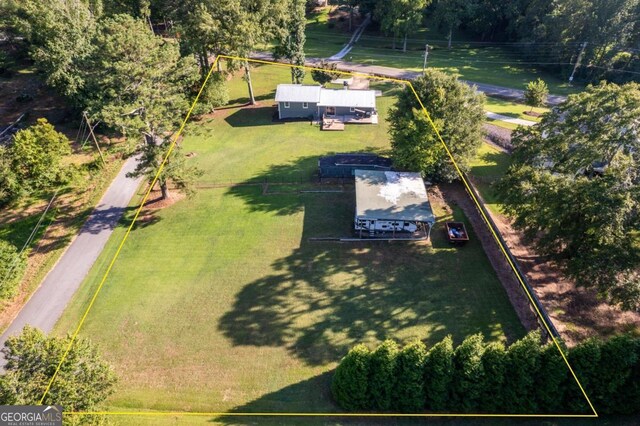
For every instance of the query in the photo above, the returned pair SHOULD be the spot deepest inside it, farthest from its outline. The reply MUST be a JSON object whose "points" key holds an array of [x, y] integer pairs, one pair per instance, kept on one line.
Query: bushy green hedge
{"points": [[474, 377]]}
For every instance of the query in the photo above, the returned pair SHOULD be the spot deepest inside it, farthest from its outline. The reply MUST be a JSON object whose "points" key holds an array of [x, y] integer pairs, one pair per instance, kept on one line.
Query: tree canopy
{"points": [[325, 72], [138, 83], [83, 382], [291, 38], [535, 95], [12, 267], [457, 111], [574, 189], [36, 156], [400, 17]]}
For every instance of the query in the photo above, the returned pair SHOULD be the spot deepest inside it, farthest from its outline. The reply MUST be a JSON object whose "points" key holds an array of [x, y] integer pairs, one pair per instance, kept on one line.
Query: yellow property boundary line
{"points": [[220, 414]]}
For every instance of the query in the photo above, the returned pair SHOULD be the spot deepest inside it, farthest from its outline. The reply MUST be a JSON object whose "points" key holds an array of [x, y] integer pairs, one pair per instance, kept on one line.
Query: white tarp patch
{"points": [[399, 184]]}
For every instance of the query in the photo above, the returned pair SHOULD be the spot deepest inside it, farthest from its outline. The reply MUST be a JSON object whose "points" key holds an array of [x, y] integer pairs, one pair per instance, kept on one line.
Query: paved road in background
{"points": [[403, 74], [46, 305]]}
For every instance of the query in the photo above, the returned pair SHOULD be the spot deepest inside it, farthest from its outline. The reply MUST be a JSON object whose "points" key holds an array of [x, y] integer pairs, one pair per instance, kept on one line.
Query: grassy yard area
{"points": [[489, 165], [512, 109], [221, 302]]}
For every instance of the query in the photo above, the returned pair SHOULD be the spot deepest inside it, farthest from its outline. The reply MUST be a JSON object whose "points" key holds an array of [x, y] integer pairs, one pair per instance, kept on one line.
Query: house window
{"points": [[305, 105], [352, 109], [287, 105]]}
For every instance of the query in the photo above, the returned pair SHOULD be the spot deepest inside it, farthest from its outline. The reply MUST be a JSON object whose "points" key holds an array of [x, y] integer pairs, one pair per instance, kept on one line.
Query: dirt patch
{"points": [[156, 202], [455, 194], [576, 312]]}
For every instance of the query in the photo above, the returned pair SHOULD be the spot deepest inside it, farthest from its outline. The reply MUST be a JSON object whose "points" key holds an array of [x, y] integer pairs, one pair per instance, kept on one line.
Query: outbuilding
{"points": [[389, 202], [344, 165]]}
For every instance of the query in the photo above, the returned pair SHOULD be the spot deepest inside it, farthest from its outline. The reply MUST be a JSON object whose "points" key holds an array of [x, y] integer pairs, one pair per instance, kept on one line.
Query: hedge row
{"points": [[476, 377]]}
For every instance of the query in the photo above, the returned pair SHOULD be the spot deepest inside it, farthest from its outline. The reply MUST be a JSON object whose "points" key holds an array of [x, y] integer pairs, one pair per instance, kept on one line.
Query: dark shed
{"points": [[343, 165]]}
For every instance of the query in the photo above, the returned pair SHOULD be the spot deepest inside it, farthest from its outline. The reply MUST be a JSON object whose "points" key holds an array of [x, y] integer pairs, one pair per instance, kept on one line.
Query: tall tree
{"points": [[291, 40], [469, 376], [350, 385], [382, 364], [438, 375], [36, 156], [494, 365], [231, 27], [408, 392], [175, 170], [83, 382], [574, 188], [400, 17], [449, 15], [137, 82], [523, 366], [59, 35], [458, 113]]}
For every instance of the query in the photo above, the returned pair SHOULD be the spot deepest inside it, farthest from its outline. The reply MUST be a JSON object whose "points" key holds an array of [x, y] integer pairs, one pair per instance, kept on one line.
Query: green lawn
{"points": [[489, 165], [221, 302], [512, 109]]}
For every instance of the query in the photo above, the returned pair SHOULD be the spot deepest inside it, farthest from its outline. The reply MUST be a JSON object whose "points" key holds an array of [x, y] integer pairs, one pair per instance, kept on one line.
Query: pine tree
{"points": [[523, 366], [468, 382], [438, 375], [350, 384], [381, 375], [551, 382], [536, 93], [408, 392], [584, 359], [494, 364]]}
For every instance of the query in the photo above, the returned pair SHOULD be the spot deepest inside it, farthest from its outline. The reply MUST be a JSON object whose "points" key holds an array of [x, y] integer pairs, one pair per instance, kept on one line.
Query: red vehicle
{"points": [[457, 233]]}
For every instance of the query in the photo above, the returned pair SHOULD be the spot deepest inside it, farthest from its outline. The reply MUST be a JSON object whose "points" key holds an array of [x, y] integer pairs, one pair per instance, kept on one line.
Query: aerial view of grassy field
{"points": [[221, 301]]}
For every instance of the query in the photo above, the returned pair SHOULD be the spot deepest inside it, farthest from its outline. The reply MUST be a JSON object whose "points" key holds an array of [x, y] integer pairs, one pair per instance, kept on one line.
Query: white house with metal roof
{"points": [[389, 202], [307, 101]]}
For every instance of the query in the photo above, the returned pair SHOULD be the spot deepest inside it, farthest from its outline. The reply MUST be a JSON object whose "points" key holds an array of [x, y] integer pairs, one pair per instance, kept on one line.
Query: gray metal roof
{"points": [[392, 196], [348, 98], [297, 93], [326, 97]]}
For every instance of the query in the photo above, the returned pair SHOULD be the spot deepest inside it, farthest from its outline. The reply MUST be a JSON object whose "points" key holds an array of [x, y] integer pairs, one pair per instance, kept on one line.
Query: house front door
{"points": [[330, 111]]}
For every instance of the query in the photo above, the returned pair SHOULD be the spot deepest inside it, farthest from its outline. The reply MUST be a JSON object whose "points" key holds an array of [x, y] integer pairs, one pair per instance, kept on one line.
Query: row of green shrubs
{"points": [[475, 377]]}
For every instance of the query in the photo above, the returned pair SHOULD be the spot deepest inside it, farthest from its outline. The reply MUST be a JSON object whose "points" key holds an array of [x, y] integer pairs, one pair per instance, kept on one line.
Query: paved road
{"points": [[46, 305], [403, 74]]}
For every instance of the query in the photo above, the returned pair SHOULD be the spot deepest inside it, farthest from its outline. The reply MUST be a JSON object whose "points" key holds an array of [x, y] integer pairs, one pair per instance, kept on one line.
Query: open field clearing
{"points": [[220, 302]]}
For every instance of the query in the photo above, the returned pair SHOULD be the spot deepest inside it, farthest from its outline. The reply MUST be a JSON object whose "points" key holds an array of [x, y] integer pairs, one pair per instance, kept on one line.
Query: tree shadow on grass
{"points": [[252, 117], [270, 96], [324, 297]]}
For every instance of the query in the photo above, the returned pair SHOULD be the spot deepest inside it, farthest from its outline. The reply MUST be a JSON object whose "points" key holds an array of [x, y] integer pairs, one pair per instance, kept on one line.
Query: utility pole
{"points": [[84, 114], [575, 67], [426, 54]]}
